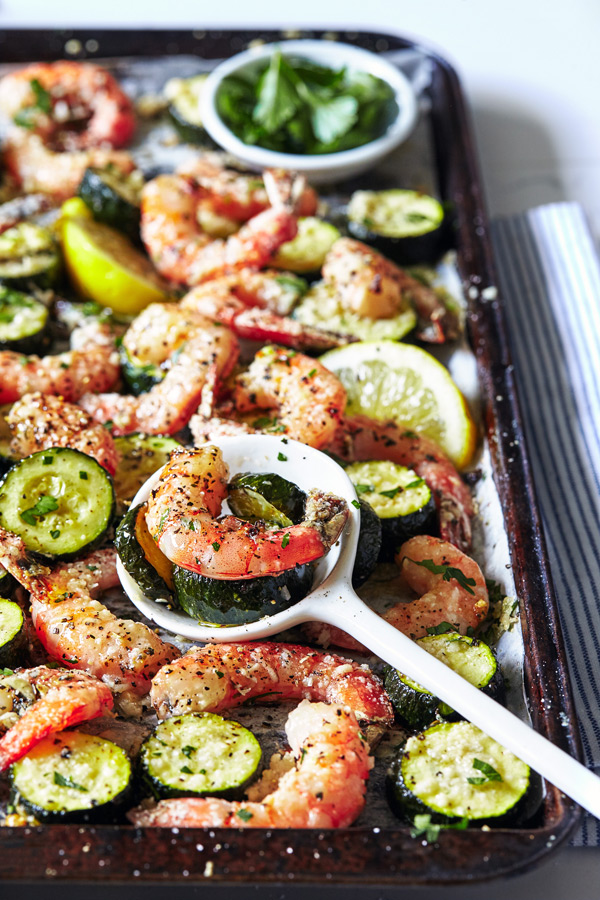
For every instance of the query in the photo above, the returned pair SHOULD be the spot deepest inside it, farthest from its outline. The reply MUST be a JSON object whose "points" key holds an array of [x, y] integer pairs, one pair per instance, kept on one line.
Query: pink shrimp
{"points": [[199, 353], [326, 789], [92, 365], [79, 631], [65, 698], [182, 512], [220, 676], [450, 587], [40, 421], [184, 253]]}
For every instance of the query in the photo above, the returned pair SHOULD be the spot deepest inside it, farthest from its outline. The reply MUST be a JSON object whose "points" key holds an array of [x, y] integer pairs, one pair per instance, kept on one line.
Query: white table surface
{"points": [[531, 71]]}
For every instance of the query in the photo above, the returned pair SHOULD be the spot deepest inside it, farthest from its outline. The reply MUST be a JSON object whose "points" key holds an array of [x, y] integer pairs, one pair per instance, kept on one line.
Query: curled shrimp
{"points": [[182, 512], [54, 100], [221, 676], [40, 421], [450, 586], [183, 252], [91, 365], [368, 284], [326, 789], [79, 631], [198, 352], [64, 698]]}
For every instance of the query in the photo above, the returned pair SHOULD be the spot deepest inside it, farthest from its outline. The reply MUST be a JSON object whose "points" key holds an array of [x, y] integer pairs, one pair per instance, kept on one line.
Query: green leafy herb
{"points": [[442, 628], [187, 770], [364, 488], [216, 546], [83, 476], [422, 824], [44, 505], [187, 750], [281, 457], [244, 814], [356, 504], [447, 573], [65, 781], [48, 460], [55, 534], [298, 285], [42, 103], [285, 541], [489, 773]]}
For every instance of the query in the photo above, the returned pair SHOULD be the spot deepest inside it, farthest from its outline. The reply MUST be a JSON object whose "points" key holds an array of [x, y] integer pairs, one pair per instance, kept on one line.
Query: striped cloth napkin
{"points": [[549, 276]]}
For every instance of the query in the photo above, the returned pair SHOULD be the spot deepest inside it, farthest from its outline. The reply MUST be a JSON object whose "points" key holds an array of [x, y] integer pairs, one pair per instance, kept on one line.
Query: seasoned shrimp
{"points": [[70, 105], [199, 353], [220, 676], [184, 253], [92, 365], [40, 421], [326, 789], [77, 630], [63, 698], [455, 592], [16, 210], [370, 285], [360, 438], [182, 512]]}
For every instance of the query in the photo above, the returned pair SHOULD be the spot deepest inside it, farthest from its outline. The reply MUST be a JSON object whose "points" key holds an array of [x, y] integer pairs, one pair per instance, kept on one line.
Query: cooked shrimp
{"points": [[182, 512], [92, 365], [359, 438], [16, 210], [40, 421], [326, 789], [455, 592], [305, 397], [65, 698], [184, 253], [77, 630], [54, 100], [220, 676], [370, 285], [254, 306]]}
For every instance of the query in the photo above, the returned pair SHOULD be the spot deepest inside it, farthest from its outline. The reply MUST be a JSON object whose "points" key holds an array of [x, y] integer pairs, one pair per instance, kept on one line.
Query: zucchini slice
{"points": [[113, 199], [268, 497], [72, 777], [307, 251], [472, 659], [405, 225], [236, 602], [29, 256], [401, 499], [139, 376], [184, 96], [199, 754], [60, 501], [140, 456], [12, 632], [6, 457], [23, 322], [369, 544], [138, 552], [454, 771]]}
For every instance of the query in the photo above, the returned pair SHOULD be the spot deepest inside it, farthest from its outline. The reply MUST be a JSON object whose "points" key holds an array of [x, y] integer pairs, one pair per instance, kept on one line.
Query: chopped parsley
{"points": [[488, 773], [216, 546], [244, 814], [422, 824], [83, 476], [66, 782], [281, 457], [447, 572], [25, 117], [44, 505], [285, 541]]}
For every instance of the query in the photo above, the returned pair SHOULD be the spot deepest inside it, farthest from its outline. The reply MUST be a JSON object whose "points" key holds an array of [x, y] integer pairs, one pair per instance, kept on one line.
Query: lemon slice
{"points": [[104, 266], [387, 381]]}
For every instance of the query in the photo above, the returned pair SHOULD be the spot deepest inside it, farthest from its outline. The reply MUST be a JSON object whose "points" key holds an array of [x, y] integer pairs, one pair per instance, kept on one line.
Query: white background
{"points": [[531, 71]]}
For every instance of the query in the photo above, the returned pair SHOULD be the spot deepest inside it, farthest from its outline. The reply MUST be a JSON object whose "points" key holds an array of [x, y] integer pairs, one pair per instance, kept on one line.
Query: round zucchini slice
{"points": [[200, 754], [236, 602], [138, 552], [472, 659], [12, 632], [307, 251], [406, 225], [6, 457], [401, 499], [454, 771], [23, 322], [140, 456], [60, 502], [268, 497], [29, 256], [113, 199], [72, 777], [184, 96], [369, 544], [139, 376]]}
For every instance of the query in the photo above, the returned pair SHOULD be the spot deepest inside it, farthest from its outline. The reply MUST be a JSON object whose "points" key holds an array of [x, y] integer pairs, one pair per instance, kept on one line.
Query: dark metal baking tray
{"points": [[357, 856]]}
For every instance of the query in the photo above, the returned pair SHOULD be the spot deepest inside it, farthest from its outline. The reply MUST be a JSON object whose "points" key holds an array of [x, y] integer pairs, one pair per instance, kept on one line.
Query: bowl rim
{"points": [[326, 52]]}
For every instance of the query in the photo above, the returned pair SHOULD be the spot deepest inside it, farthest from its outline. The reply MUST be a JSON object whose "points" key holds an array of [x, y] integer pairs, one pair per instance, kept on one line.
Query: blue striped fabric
{"points": [[549, 277]]}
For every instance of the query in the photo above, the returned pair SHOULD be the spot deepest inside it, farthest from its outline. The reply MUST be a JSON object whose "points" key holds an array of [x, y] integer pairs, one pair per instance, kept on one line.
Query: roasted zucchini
{"points": [[23, 322], [184, 95], [29, 257], [307, 251], [139, 376], [140, 456], [369, 544], [113, 199], [148, 567], [12, 632], [270, 498]]}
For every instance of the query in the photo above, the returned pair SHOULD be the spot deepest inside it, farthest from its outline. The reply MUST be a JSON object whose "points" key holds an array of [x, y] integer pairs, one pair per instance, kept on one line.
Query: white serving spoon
{"points": [[333, 600]]}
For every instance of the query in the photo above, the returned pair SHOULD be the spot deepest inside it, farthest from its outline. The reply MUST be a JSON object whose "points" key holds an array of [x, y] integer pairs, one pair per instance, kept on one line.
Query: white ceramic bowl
{"points": [[317, 167]]}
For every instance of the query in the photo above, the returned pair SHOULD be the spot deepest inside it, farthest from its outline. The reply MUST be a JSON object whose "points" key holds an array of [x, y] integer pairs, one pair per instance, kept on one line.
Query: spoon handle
{"points": [[402, 653]]}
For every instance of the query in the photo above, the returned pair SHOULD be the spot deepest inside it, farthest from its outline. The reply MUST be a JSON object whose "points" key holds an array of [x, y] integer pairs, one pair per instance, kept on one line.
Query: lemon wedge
{"points": [[390, 381]]}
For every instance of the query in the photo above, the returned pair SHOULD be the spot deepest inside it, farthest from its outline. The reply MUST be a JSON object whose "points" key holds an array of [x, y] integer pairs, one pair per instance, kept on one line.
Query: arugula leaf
{"points": [[447, 572], [44, 505]]}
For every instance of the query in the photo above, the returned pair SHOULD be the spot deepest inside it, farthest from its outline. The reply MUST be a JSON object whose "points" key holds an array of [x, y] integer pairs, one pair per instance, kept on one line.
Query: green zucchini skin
{"points": [[140, 377], [198, 755], [369, 545], [482, 804], [29, 258], [23, 322], [132, 556], [111, 200], [60, 501], [236, 602], [307, 251], [184, 96], [35, 779], [282, 497], [12, 632]]}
